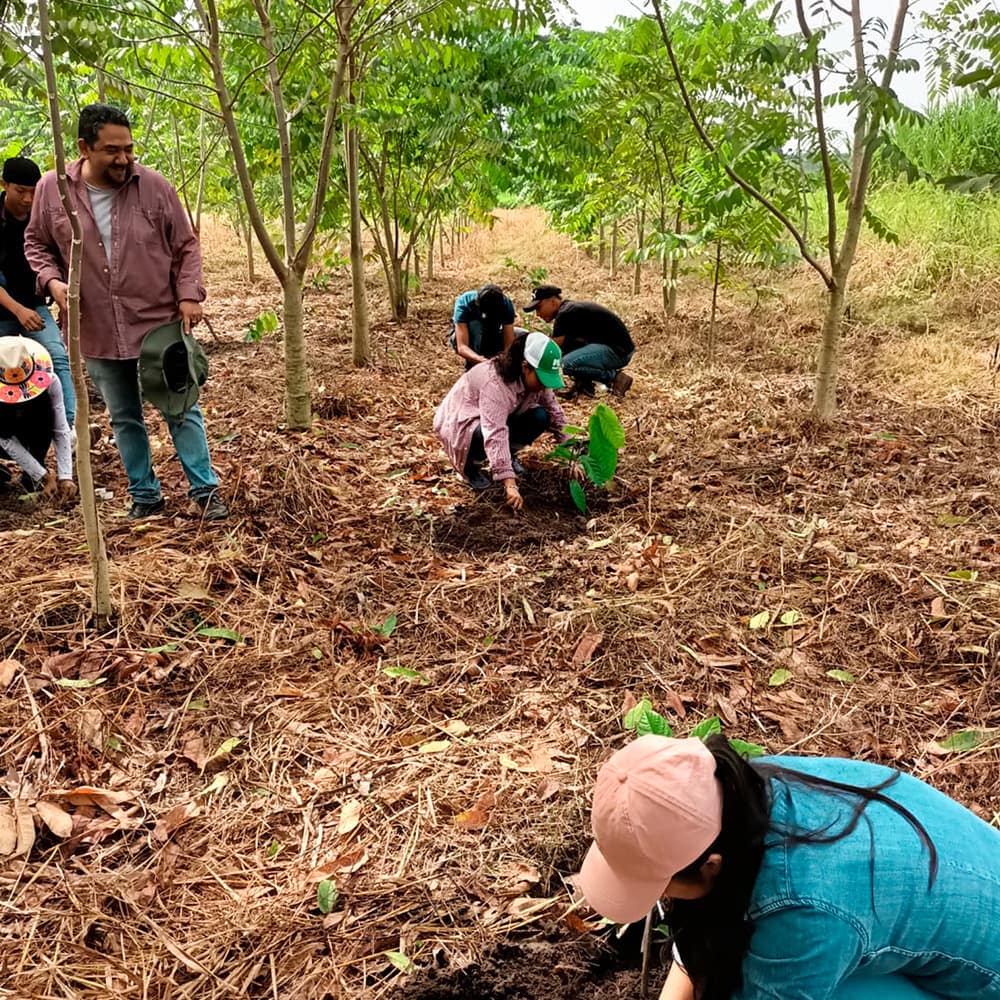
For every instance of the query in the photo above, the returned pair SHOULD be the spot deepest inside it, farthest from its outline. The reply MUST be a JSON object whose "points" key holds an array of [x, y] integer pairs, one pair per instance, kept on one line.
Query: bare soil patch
{"points": [[423, 683]]}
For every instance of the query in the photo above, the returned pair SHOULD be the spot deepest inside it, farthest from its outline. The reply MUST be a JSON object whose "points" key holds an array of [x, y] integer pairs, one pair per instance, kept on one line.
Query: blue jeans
{"points": [[118, 383], [50, 338], [594, 363], [862, 987], [523, 429]]}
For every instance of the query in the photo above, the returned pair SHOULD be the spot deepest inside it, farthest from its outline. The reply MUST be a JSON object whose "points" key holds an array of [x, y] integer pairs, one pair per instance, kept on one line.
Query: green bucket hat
{"points": [[172, 368]]}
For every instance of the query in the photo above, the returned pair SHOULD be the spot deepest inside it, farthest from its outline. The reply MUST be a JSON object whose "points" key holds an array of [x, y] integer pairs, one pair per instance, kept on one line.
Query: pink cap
{"points": [[657, 807]]}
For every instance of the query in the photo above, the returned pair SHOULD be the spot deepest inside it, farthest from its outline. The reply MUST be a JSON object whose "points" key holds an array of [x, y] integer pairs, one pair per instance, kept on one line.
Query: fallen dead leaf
{"points": [[194, 750], [585, 648], [456, 727], [8, 669], [434, 746], [350, 817], [547, 789], [172, 821], [8, 831], [56, 819], [938, 608], [478, 817], [24, 822]]}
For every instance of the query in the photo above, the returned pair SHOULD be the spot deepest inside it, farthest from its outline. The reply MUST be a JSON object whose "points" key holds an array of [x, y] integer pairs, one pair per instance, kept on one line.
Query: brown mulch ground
{"points": [[437, 770]]}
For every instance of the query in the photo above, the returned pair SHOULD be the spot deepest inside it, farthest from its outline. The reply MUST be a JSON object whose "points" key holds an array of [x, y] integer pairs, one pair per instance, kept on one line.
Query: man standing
{"points": [[141, 269], [596, 344], [21, 307]]}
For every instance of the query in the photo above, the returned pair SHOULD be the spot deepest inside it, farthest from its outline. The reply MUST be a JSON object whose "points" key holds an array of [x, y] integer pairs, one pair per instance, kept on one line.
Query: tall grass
{"points": [[961, 137]]}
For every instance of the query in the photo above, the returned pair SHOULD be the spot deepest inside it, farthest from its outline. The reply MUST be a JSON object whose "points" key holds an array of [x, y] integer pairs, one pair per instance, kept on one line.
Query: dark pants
{"points": [[30, 423], [523, 429]]}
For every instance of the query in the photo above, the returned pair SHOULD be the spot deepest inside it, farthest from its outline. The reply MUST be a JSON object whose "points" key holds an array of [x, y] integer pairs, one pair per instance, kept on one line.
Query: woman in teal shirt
{"points": [[796, 878]]}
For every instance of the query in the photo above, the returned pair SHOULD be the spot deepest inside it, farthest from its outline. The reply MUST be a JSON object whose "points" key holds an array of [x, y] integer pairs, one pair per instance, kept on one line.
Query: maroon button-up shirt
{"points": [[154, 263]]}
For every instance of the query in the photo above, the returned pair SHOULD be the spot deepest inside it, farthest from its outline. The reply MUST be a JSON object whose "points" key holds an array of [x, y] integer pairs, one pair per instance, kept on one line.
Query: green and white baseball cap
{"points": [[543, 354]]}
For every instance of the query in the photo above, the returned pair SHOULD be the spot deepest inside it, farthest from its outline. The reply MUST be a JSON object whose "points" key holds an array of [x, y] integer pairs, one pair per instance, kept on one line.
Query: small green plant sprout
{"points": [[596, 455], [326, 895], [266, 322], [642, 720]]}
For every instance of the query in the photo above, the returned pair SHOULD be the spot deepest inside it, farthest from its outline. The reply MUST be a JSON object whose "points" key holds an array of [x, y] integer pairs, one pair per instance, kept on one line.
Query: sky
{"points": [[596, 15]]}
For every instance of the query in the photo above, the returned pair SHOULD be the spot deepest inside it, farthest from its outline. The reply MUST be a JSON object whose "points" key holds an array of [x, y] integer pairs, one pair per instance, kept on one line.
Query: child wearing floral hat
{"points": [[33, 416]]}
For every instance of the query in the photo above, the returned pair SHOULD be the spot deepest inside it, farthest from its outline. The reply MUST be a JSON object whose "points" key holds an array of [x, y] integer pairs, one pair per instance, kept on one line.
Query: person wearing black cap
{"points": [[596, 344], [482, 325], [22, 309]]}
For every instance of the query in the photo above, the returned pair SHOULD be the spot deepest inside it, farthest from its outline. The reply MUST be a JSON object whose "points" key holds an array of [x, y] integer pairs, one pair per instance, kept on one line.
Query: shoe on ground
{"points": [[144, 510], [477, 479], [621, 384], [516, 466], [211, 507]]}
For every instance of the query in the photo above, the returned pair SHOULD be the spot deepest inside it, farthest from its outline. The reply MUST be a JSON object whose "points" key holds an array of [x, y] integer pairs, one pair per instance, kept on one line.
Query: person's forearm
{"points": [[678, 986], [7, 301]]}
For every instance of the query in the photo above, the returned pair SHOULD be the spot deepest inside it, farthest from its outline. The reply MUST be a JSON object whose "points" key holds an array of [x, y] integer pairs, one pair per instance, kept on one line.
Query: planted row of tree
{"points": [[696, 133]]}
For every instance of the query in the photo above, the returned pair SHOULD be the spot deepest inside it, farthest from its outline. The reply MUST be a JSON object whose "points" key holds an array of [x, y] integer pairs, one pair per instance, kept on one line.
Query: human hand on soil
{"points": [[514, 499], [66, 490], [29, 319], [49, 485]]}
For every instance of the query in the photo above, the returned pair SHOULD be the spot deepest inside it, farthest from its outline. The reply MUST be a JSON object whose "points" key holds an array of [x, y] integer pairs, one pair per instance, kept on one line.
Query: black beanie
{"points": [[20, 170]]}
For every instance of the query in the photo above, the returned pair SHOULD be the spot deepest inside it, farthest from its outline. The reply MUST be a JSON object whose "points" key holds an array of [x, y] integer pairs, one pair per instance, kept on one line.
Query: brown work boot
{"points": [[621, 385]]}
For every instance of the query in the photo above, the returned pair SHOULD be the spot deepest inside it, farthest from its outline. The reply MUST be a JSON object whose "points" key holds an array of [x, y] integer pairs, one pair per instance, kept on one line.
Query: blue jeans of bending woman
{"points": [[523, 428], [118, 383]]}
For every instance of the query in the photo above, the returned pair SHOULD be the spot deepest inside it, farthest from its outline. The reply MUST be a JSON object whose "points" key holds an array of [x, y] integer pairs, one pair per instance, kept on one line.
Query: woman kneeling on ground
{"points": [[497, 408], [32, 415], [794, 878]]}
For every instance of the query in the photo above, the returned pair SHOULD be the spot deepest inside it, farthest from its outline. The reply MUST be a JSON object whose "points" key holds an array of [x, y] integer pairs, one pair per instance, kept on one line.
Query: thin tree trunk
{"points": [[416, 265], [828, 362], [360, 336], [640, 234], [247, 233], [430, 255], [440, 229], [602, 246], [202, 172], [100, 600], [614, 249], [715, 300], [298, 408], [675, 266]]}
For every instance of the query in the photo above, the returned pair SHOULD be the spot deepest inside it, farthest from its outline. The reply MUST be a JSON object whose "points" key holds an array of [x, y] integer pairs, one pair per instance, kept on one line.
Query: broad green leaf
{"points": [[400, 961], [573, 429], [80, 682], [326, 895], [604, 421], [969, 739], [707, 727], [579, 496], [842, 675], [274, 849], [747, 749], [759, 620], [631, 719], [652, 722], [790, 617], [779, 677], [221, 633]]}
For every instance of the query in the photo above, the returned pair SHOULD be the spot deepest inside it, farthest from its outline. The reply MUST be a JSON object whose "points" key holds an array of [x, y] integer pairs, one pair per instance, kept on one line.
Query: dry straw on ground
{"points": [[438, 770]]}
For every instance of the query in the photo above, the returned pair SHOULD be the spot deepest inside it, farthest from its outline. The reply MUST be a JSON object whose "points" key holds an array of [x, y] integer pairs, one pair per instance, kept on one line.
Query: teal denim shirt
{"points": [[820, 918]]}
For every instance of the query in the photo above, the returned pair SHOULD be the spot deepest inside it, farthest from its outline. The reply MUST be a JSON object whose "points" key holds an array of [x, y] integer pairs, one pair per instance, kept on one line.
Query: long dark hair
{"points": [[713, 933], [509, 365]]}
